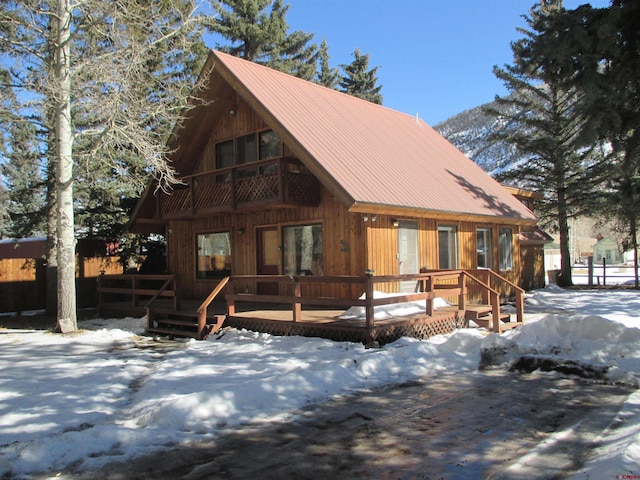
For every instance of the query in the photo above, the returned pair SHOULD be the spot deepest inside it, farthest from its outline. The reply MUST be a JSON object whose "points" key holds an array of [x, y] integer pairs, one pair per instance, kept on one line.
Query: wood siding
{"points": [[351, 245]]}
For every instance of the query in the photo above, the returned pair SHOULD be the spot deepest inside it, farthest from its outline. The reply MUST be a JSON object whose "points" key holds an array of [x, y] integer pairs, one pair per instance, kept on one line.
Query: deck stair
{"points": [[182, 323], [482, 315]]}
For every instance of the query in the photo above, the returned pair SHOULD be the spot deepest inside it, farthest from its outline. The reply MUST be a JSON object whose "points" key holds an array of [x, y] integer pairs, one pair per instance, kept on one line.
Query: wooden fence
{"points": [[23, 282]]}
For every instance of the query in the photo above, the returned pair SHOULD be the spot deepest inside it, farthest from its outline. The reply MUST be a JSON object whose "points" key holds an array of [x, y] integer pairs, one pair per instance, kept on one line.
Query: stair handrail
{"points": [[519, 295], [148, 306], [202, 309], [164, 286], [494, 300]]}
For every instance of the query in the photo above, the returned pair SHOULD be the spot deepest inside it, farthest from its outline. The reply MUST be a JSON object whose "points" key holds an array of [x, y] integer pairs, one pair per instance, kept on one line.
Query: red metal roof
{"points": [[372, 155]]}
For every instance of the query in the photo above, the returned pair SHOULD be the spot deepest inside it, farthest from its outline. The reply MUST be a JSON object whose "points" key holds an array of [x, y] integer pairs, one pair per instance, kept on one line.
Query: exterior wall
{"points": [[342, 236], [533, 270], [350, 245], [382, 256]]}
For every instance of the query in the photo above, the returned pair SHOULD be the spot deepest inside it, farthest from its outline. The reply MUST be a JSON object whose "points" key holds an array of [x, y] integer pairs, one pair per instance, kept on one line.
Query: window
{"points": [[270, 145], [303, 250], [448, 246], [213, 255], [224, 154], [484, 245], [247, 149], [505, 249]]}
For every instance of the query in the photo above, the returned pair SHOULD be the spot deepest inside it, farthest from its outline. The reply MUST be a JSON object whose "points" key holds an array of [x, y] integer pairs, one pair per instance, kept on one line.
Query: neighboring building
{"points": [[608, 250], [283, 176]]}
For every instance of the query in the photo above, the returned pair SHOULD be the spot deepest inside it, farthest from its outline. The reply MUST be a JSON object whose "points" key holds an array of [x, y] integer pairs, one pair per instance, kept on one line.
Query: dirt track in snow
{"points": [[495, 424]]}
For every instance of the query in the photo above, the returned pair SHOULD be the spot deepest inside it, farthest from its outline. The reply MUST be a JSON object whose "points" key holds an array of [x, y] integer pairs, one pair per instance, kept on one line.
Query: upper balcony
{"points": [[273, 183]]}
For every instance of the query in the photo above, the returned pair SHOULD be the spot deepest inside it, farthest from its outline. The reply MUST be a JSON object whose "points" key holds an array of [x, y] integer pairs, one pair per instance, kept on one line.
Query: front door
{"points": [[408, 253], [268, 252]]}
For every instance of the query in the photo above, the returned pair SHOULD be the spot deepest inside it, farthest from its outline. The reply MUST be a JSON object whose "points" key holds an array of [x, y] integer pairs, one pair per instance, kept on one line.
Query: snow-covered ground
{"points": [[106, 394]]}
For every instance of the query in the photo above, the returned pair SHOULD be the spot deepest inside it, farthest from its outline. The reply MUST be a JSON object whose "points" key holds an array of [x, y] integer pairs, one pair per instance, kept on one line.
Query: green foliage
{"points": [[543, 118], [327, 76], [132, 68], [258, 31], [360, 81]]}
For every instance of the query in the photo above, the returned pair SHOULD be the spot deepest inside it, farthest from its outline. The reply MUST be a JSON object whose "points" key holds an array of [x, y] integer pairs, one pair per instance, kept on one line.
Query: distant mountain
{"points": [[470, 131]]}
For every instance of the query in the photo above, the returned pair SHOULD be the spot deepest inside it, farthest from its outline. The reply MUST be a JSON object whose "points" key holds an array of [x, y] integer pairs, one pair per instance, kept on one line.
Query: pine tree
{"points": [[257, 31], [25, 182], [360, 81], [611, 82], [327, 75], [543, 120]]}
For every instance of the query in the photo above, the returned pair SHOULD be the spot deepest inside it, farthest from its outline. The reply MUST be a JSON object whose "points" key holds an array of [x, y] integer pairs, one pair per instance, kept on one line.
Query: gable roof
{"points": [[367, 156]]}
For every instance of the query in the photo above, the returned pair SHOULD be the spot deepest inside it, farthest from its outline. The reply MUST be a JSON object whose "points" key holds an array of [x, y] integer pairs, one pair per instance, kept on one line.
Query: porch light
{"points": [[232, 111], [395, 223], [365, 219], [369, 273], [241, 231]]}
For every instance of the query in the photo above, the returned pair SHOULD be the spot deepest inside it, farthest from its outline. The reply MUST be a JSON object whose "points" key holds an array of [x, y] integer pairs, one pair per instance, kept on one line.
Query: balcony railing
{"points": [[281, 182]]}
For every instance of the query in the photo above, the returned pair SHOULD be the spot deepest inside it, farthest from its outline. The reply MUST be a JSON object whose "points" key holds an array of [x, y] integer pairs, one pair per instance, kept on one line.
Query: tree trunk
{"points": [[564, 280], [67, 320]]}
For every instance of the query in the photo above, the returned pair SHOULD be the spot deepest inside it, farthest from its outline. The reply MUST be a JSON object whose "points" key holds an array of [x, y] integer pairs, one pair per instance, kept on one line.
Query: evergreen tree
{"points": [[610, 79], [360, 81], [544, 121], [257, 31], [104, 84], [25, 182], [327, 75]]}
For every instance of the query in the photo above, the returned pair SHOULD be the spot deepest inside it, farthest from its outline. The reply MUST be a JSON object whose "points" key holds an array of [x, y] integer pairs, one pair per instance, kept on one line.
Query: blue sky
{"points": [[435, 56]]}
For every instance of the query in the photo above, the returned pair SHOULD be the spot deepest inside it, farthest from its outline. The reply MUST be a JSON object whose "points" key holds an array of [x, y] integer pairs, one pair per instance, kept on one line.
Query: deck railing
{"points": [[136, 288], [280, 181], [448, 284]]}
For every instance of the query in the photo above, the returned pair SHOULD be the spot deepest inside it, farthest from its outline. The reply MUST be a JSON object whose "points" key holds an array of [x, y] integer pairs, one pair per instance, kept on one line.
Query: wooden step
{"points": [[173, 332], [175, 321]]}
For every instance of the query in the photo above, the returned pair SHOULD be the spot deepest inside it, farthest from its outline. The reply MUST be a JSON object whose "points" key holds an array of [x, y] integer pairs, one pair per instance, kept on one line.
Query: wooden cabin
{"points": [[283, 178]]}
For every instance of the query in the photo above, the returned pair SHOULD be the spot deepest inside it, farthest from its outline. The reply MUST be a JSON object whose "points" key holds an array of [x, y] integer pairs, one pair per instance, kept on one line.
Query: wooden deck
{"points": [[320, 316]]}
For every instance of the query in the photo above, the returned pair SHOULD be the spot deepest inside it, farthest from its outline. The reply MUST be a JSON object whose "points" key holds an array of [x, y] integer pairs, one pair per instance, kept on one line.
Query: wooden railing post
{"points": [[519, 306], [431, 286], [368, 298], [462, 297], [297, 308], [495, 312], [231, 303]]}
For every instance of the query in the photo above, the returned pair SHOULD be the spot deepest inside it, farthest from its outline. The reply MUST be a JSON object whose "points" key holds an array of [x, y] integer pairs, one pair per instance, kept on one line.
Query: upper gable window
{"points": [[248, 149], [224, 154], [270, 145]]}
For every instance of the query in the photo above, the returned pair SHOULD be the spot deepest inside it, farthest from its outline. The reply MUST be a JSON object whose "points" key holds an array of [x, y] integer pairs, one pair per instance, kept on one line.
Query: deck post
{"points": [[519, 306], [495, 312], [297, 308], [368, 298], [462, 298], [231, 303], [431, 285]]}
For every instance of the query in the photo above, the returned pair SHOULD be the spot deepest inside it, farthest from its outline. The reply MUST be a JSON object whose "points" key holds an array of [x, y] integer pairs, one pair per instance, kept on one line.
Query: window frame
{"points": [[316, 267], [213, 273], [451, 247], [505, 255], [488, 247]]}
